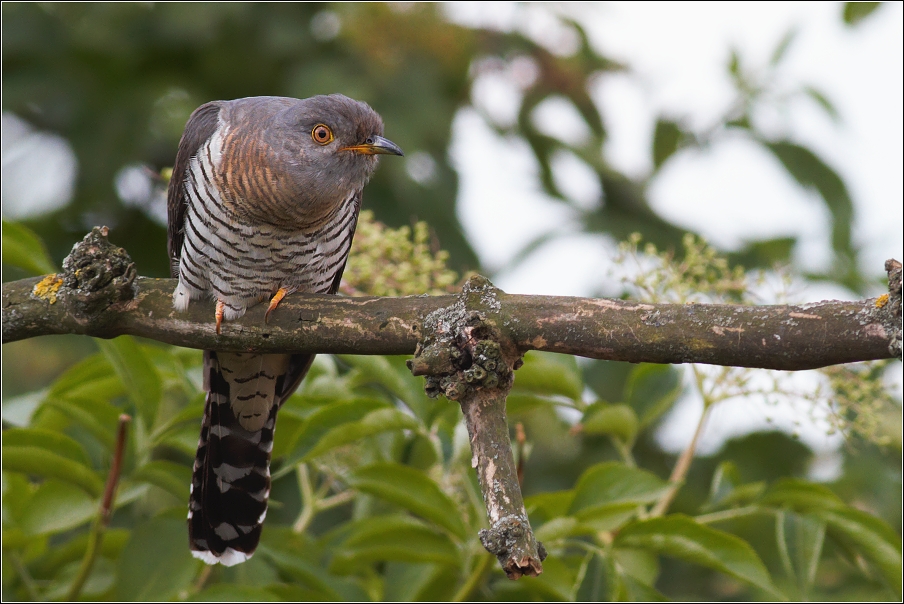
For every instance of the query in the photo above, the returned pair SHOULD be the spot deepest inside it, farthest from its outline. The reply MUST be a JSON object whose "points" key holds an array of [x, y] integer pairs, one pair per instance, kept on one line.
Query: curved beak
{"points": [[375, 145]]}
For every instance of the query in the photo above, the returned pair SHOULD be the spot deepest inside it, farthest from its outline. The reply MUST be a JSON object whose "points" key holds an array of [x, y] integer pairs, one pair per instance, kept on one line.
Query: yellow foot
{"points": [[274, 302], [221, 308]]}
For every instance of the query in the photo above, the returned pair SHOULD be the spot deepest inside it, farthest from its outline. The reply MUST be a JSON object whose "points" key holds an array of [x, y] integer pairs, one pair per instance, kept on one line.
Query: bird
{"points": [[263, 202]]}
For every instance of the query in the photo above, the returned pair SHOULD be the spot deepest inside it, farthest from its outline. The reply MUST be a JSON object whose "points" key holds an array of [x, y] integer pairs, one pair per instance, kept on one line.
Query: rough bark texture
{"points": [[465, 356], [99, 295]]}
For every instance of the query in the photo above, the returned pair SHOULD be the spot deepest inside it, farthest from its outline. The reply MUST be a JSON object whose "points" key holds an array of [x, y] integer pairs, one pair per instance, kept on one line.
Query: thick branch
{"points": [[87, 300], [772, 337], [467, 357]]}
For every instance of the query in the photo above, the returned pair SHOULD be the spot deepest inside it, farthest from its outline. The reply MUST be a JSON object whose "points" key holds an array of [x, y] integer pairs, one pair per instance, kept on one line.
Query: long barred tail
{"points": [[231, 478]]}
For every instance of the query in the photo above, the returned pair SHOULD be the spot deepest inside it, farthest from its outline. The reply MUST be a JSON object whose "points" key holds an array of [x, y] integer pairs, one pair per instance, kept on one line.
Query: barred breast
{"points": [[229, 258]]}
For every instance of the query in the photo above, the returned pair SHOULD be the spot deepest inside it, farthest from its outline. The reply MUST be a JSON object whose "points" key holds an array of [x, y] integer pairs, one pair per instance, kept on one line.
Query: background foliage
{"points": [[373, 496]]}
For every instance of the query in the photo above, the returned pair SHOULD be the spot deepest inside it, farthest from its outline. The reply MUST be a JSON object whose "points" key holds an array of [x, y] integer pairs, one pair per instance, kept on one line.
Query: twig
{"points": [[521, 440], [682, 466], [28, 581], [102, 520]]}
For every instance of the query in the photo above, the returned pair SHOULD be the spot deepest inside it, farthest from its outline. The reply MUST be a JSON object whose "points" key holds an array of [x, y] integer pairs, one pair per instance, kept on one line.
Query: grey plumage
{"points": [[263, 202]]}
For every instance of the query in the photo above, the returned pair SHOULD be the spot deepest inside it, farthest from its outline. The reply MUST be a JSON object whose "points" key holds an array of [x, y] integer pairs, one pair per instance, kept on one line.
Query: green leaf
{"points": [[810, 171], [618, 421], [520, 402], [782, 49], [169, 476], [98, 417], [680, 537], [800, 538], [615, 483], [651, 390], [56, 507], [99, 581], [546, 373], [24, 249], [801, 495], [876, 540], [823, 101], [726, 490], [300, 559], [855, 12], [392, 373], [412, 490], [56, 443], [638, 591], [137, 373], [93, 377], [407, 582], [381, 420], [552, 505], [666, 138], [609, 494], [327, 418], [303, 572], [399, 538], [41, 462], [231, 592], [642, 564], [191, 414], [560, 528], [155, 564]]}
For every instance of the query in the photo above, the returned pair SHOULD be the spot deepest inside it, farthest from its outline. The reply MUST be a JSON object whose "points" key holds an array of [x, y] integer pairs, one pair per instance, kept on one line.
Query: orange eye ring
{"points": [[322, 134]]}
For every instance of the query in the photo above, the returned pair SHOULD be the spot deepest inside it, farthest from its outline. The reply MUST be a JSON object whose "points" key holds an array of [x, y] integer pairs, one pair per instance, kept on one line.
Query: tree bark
{"points": [[789, 337]]}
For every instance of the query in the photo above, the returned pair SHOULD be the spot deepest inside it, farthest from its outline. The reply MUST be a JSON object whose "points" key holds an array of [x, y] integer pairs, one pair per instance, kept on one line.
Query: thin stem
{"points": [[199, 583], [28, 582], [782, 543], [683, 465], [102, 520], [520, 442], [624, 451], [337, 499], [480, 570], [308, 500]]}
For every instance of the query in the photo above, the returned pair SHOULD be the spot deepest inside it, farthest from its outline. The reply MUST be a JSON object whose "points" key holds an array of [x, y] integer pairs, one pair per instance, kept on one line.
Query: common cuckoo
{"points": [[263, 202]]}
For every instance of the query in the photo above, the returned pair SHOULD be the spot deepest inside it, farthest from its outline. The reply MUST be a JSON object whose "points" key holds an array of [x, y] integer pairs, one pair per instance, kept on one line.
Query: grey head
{"points": [[304, 156]]}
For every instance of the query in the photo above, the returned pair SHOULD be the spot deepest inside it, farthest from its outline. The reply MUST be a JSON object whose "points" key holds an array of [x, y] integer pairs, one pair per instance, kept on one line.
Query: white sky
{"points": [[733, 192]]}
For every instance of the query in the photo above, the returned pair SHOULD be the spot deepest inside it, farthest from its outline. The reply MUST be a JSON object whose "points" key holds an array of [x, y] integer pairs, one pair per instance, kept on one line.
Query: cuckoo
{"points": [[263, 202]]}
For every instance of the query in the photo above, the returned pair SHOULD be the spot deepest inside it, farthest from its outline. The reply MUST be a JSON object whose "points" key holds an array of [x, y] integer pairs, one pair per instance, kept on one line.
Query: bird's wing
{"points": [[200, 127]]}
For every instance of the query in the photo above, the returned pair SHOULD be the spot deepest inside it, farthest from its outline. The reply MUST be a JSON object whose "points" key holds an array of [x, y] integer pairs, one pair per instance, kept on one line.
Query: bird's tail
{"points": [[231, 477]]}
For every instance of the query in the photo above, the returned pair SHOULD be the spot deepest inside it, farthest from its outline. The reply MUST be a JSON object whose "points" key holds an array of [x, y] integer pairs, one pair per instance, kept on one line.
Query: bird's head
{"points": [[314, 153], [334, 140]]}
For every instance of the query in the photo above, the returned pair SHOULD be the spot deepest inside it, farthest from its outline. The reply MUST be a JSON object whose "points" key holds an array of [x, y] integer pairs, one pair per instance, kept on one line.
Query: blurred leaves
{"points": [[855, 12], [373, 494], [23, 249]]}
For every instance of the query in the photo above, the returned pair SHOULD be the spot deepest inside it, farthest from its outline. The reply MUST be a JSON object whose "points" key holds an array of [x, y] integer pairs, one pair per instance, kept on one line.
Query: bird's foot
{"points": [[221, 309], [274, 302]]}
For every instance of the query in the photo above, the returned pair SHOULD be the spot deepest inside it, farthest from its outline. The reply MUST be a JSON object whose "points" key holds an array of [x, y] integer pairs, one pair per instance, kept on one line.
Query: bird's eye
{"points": [[322, 134]]}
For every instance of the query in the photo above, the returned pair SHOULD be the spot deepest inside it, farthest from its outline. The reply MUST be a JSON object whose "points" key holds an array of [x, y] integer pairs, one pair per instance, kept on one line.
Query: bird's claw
{"points": [[281, 293], [221, 308]]}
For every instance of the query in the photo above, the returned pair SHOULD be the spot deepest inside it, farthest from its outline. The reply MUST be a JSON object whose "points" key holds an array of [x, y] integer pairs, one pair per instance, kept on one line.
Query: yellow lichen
{"points": [[882, 301], [46, 288]]}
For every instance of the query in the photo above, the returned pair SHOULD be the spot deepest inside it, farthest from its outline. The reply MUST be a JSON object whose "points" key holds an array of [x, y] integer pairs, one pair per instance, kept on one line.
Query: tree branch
{"points": [[467, 346], [99, 295]]}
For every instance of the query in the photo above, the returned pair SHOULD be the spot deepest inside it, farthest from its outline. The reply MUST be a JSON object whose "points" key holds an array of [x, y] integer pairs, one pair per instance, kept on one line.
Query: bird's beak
{"points": [[375, 145]]}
